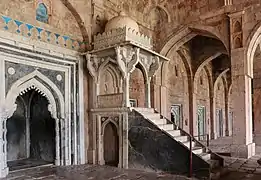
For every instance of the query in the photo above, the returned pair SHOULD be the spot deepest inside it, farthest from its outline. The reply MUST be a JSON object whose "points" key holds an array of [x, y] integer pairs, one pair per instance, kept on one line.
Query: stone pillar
{"points": [[243, 145], [126, 91], [147, 94], [228, 133], [125, 141], [213, 117], [57, 143], [27, 134], [163, 101], [194, 118], [99, 141], [4, 170]]}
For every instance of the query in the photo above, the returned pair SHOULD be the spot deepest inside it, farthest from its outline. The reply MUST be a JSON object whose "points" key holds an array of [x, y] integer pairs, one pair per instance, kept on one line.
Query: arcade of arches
{"points": [[72, 71]]}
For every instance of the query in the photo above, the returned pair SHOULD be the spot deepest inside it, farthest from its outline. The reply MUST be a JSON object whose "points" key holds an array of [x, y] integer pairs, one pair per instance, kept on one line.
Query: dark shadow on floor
{"points": [[26, 163]]}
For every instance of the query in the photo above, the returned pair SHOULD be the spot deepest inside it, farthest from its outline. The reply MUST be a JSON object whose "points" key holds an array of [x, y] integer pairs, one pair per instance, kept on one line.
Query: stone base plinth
{"points": [[243, 151], [4, 172], [214, 135]]}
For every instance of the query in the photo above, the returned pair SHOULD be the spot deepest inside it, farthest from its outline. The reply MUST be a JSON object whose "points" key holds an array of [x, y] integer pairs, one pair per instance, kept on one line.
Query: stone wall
{"points": [[61, 20], [137, 87], [177, 88], [202, 100], [220, 104]]}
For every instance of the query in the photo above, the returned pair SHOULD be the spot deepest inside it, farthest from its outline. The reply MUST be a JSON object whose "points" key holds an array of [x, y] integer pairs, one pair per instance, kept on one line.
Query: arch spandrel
{"points": [[30, 81]]}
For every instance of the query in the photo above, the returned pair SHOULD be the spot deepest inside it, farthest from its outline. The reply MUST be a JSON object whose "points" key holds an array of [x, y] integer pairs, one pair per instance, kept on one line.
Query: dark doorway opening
{"points": [[111, 145], [30, 133]]}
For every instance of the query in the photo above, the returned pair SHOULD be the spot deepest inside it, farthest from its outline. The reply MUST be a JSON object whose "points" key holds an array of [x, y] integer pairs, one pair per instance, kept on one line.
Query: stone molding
{"points": [[115, 36]]}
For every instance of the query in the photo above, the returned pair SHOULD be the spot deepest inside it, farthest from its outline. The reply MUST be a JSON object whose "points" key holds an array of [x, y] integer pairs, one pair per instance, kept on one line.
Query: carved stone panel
{"points": [[110, 101]]}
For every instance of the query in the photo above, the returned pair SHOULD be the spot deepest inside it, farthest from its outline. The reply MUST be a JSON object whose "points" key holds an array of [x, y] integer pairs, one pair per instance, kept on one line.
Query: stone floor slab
{"points": [[87, 172]]}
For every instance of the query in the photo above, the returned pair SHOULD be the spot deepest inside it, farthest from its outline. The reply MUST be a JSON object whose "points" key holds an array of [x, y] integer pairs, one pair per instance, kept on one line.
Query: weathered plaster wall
{"points": [[137, 87], [202, 99], [61, 19], [220, 103], [177, 88]]}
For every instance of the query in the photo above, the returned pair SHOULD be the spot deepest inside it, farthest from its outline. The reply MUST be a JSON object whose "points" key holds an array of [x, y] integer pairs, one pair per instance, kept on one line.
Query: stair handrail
{"points": [[193, 139], [188, 134]]}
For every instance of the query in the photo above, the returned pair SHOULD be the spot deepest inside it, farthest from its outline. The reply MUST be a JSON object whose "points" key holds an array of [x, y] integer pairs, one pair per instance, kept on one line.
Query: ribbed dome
{"points": [[120, 21]]}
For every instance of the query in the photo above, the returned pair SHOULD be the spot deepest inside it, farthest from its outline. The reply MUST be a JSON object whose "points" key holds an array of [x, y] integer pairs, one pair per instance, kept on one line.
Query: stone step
{"points": [[159, 121], [181, 138], [166, 127], [148, 110], [174, 133], [187, 144], [197, 150], [151, 115], [205, 156]]}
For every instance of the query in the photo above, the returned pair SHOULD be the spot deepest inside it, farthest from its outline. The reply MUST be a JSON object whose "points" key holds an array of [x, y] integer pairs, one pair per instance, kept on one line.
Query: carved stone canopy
{"points": [[125, 57]]}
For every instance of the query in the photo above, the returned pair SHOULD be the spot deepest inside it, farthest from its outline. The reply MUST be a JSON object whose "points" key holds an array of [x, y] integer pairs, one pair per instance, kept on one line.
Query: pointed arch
{"points": [[253, 42], [31, 81], [202, 66], [141, 66], [107, 122], [111, 69], [220, 78]]}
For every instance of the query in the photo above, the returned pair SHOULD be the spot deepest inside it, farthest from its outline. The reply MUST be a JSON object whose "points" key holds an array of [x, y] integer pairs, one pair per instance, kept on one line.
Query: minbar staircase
{"points": [[215, 162]]}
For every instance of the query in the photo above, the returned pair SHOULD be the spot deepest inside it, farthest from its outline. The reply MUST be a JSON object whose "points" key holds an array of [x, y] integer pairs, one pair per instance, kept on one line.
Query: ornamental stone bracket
{"points": [[95, 63], [128, 58]]}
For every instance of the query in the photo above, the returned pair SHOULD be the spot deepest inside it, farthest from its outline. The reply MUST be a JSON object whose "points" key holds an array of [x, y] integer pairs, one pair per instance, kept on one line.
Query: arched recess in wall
{"points": [[40, 83], [202, 112], [109, 79], [157, 17], [110, 132], [220, 106], [138, 79], [79, 21]]}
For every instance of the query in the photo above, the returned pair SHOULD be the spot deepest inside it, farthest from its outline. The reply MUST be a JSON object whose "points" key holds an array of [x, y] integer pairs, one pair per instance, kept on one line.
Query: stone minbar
{"points": [[116, 54]]}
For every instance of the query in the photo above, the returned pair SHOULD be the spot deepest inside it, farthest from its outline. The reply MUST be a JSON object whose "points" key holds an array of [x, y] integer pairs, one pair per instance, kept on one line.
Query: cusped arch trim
{"points": [[253, 41], [78, 19], [106, 123], [30, 81]]}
